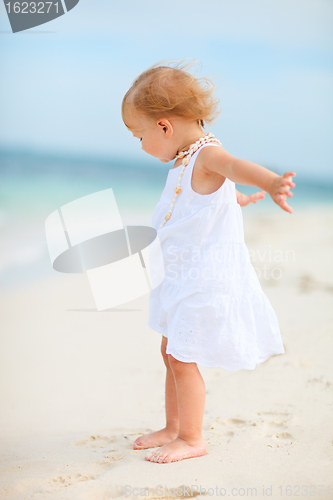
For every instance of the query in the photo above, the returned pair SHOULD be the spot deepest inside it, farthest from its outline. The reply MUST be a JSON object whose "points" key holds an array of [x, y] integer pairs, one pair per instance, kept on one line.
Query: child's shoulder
{"points": [[209, 156], [204, 179]]}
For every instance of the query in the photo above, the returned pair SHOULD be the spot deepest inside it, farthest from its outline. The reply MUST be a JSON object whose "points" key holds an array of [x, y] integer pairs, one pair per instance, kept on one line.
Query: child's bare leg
{"points": [[191, 396], [170, 431]]}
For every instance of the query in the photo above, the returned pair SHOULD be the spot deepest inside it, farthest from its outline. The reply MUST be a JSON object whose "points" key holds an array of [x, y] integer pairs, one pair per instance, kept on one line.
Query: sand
{"points": [[78, 386]]}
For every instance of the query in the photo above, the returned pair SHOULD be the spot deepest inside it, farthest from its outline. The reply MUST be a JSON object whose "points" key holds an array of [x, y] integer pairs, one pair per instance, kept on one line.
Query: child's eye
{"points": [[141, 139]]}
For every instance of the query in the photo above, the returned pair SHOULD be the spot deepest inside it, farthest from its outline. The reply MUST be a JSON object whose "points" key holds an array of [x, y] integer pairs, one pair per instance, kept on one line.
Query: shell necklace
{"points": [[187, 155]]}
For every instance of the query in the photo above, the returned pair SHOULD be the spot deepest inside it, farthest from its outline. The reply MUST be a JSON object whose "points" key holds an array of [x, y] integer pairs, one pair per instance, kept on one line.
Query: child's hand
{"points": [[244, 200], [280, 189]]}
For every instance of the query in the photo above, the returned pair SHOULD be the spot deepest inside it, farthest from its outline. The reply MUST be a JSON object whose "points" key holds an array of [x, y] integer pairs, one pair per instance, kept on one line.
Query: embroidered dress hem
{"points": [[231, 339]]}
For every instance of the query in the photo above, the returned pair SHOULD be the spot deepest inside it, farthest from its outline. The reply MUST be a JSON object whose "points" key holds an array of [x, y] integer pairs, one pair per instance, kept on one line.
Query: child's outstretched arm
{"points": [[218, 160]]}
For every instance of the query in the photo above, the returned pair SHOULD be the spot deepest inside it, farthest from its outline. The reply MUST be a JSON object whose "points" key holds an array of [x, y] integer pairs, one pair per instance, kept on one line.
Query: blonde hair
{"points": [[165, 91]]}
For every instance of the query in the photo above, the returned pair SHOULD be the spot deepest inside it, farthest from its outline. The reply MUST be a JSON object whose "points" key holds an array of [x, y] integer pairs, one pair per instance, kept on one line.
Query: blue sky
{"points": [[272, 61]]}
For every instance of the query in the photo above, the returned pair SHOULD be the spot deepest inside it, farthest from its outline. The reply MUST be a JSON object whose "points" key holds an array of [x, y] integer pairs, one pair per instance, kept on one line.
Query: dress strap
{"points": [[194, 156]]}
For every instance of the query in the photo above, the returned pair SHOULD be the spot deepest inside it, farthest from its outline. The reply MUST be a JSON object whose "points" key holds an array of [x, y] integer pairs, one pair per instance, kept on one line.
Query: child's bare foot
{"points": [[154, 439], [178, 449]]}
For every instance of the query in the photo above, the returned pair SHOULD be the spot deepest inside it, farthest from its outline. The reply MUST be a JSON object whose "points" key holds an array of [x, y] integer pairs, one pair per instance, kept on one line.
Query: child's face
{"points": [[156, 136]]}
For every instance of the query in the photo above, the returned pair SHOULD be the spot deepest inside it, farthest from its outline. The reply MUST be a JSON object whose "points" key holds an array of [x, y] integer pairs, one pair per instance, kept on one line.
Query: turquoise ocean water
{"points": [[33, 185]]}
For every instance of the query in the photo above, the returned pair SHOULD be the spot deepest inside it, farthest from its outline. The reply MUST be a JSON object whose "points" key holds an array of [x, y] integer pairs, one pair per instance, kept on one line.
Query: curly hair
{"points": [[172, 91]]}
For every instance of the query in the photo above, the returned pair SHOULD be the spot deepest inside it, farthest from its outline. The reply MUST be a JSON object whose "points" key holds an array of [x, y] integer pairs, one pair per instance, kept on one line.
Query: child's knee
{"points": [[179, 366]]}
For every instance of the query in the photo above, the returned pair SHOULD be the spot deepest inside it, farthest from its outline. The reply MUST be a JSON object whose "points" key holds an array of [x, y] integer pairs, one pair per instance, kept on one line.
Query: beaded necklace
{"points": [[187, 155]]}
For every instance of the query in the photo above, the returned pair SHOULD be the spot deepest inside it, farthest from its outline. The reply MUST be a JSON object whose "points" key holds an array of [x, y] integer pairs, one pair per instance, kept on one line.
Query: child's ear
{"points": [[166, 127], [163, 125]]}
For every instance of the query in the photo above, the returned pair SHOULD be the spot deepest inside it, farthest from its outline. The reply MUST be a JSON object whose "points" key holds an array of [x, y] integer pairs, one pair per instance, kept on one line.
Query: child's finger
{"points": [[286, 207], [284, 189], [286, 182], [256, 196], [289, 174], [283, 204]]}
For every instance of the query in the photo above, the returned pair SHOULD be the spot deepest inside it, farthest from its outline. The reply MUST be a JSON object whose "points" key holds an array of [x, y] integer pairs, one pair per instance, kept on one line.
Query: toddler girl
{"points": [[209, 308]]}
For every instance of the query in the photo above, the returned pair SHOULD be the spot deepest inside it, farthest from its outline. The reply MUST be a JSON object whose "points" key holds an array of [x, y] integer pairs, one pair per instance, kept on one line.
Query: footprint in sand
{"points": [[112, 457], [67, 480], [269, 425], [111, 443], [113, 448], [220, 427], [273, 426], [277, 429], [326, 384], [96, 468], [308, 283]]}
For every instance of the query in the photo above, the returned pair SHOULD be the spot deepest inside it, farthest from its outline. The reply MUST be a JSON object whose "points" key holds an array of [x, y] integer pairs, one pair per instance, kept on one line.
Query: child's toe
{"points": [[137, 444]]}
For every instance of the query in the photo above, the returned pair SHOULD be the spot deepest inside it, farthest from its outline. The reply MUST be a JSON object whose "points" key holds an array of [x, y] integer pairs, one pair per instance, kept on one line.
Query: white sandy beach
{"points": [[78, 386]]}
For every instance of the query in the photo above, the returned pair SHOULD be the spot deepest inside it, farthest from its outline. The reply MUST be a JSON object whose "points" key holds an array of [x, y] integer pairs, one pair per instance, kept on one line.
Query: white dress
{"points": [[210, 304]]}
